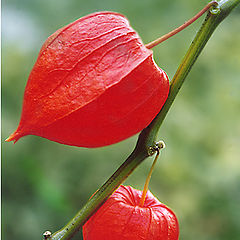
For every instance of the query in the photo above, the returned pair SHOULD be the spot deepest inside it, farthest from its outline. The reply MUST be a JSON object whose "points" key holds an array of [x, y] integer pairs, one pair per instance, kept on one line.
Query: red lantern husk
{"points": [[121, 217], [94, 84]]}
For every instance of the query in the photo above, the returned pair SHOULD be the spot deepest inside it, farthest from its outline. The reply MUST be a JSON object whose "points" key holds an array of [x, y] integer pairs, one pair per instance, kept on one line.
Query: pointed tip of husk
{"points": [[14, 137]]}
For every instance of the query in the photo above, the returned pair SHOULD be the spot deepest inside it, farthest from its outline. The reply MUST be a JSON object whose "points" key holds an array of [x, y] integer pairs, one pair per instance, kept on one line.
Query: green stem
{"points": [[146, 141], [137, 156], [213, 19]]}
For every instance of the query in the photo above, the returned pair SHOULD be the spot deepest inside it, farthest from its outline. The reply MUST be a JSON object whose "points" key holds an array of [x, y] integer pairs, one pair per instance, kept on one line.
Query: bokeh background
{"points": [[45, 183]]}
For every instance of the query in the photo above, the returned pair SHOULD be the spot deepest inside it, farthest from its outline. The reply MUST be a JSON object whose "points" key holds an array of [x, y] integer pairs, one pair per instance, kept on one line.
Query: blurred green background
{"points": [[45, 183]]}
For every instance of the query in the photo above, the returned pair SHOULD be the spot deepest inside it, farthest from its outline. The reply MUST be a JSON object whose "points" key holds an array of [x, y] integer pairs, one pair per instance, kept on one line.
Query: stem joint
{"points": [[47, 235], [156, 147]]}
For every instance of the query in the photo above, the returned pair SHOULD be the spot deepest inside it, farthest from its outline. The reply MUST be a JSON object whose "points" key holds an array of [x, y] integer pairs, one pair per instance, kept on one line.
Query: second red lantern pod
{"points": [[122, 218], [94, 83]]}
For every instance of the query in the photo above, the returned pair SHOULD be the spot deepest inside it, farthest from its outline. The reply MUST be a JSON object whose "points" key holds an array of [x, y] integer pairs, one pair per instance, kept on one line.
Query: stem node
{"points": [[156, 147], [47, 235]]}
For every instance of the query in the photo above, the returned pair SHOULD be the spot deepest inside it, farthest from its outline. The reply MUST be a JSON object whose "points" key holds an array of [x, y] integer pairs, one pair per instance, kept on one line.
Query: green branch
{"points": [[147, 139]]}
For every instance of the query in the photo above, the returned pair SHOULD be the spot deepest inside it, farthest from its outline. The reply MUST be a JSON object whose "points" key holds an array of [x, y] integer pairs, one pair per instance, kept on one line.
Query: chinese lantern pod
{"points": [[121, 217], [94, 83]]}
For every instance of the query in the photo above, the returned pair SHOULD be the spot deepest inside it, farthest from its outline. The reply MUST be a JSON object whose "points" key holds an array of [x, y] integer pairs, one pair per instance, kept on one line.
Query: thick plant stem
{"points": [[146, 141], [213, 19], [137, 156]]}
